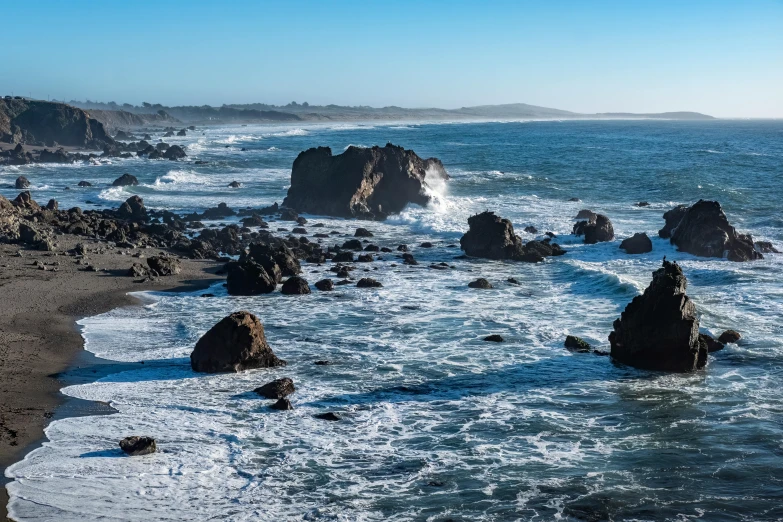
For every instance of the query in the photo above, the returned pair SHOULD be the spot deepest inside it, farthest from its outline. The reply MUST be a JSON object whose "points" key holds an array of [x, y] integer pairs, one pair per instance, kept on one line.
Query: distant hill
{"points": [[293, 112]]}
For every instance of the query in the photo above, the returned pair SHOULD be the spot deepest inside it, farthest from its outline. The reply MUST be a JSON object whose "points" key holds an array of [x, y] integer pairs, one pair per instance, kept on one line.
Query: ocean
{"points": [[437, 424]]}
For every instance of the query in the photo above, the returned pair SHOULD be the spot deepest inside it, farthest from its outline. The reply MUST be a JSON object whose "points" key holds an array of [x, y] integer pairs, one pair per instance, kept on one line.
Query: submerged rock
{"points": [[659, 329], [480, 283], [494, 338], [136, 446], [234, 344], [282, 405], [639, 243], [22, 183], [368, 183]]}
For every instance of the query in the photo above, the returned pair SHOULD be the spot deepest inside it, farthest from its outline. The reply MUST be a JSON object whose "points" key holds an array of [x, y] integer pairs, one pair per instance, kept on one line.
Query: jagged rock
{"points": [[234, 184], [52, 204], [126, 180], [37, 121], [133, 210], [234, 344], [22, 183], [324, 285], [492, 237], [659, 329], [480, 283], [673, 218], [174, 152], [282, 405], [576, 344], [598, 231], [705, 231], [296, 286], [29, 234], [729, 337], [368, 183], [712, 344], [221, 211], [494, 338], [360, 232], [138, 270], [276, 389], [367, 282], [25, 200], [247, 277], [765, 247], [164, 265], [639, 243], [137, 446]]}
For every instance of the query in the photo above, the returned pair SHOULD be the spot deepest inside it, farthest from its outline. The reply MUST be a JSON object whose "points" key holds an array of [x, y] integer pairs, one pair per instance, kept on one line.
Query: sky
{"points": [[723, 58]]}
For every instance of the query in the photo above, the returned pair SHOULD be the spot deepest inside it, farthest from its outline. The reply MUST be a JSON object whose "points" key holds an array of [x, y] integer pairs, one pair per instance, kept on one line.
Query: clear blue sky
{"points": [[723, 58]]}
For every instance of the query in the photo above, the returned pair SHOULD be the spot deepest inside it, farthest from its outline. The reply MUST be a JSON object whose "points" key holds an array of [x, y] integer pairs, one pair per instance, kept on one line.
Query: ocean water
{"points": [[436, 424]]}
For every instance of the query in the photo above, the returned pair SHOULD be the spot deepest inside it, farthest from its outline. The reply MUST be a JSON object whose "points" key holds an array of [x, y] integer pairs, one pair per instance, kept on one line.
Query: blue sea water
{"points": [[437, 424]]}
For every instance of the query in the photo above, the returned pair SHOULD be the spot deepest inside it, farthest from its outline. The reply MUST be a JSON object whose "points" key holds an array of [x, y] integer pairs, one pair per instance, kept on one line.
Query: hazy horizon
{"points": [[716, 58]]}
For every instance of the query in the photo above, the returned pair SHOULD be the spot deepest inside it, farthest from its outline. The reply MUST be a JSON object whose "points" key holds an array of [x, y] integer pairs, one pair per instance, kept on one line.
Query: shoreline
{"points": [[41, 345]]}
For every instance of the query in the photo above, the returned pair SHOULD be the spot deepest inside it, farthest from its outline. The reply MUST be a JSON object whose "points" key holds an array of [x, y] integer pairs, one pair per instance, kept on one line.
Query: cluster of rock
{"points": [[366, 183], [144, 148], [596, 228], [492, 237]]}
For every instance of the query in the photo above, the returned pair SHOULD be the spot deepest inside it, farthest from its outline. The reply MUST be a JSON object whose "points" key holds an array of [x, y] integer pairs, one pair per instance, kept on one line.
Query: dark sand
{"points": [[39, 337]]}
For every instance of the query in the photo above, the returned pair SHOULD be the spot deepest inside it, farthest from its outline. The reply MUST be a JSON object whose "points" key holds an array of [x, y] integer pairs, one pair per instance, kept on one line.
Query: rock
{"points": [[282, 405], [368, 183], [360, 232], [138, 270], [367, 282], [174, 152], [513, 281], [296, 286], [52, 204], [325, 285], [136, 446], [492, 237], [343, 257], [85, 184], [234, 344], [642, 204], [765, 247], [705, 231], [712, 344], [299, 230], [276, 389], [353, 244], [729, 337], [586, 214], [673, 218], [659, 329], [328, 416], [38, 121], [221, 211], [25, 200], [126, 180], [598, 231], [426, 244], [301, 220], [234, 184], [575, 344], [364, 258], [480, 283], [494, 338], [164, 265], [133, 210], [247, 277], [531, 230], [182, 132], [639, 243], [288, 214], [22, 183], [29, 234]]}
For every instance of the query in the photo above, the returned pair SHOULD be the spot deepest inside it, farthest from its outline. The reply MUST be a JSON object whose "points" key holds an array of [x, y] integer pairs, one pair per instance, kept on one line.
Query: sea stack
{"points": [[366, 183], [492, 237], [659, 329]]}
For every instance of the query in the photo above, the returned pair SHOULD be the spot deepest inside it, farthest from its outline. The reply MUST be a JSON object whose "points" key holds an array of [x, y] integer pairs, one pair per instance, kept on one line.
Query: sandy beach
{"points": [[38, 334]]}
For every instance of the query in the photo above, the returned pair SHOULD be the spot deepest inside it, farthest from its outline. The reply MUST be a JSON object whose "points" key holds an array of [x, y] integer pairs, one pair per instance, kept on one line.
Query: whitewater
{"points": [[436, 423]]}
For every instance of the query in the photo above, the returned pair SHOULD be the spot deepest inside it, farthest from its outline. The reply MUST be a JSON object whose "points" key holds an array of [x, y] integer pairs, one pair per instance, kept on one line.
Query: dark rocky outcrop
{"points": [[360, 232], [133, 210], [765, 247], [282, 404], [729, 337], [36, 122], [22, 183], [234, 344], [295, 286], [639, 243], [367, 282], [136, 446], [85, 184], [711, 344], [705, 231], [480, 283], [234, 184], [659, 329], [324, 285], [174, 152], [126, 180], [576, 344], [494, 338], [164, 265], [492, 237], [276, 389], [247, 277], [595, 231], [367, 183], [672, 218]]}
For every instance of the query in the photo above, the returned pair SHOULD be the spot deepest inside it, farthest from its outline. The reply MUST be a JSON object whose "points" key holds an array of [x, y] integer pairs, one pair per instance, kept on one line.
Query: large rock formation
{"points": [[659, 329], [493, 237], [705, 231], [368, 183], [672, 218], [36, 122], [234, 344]]}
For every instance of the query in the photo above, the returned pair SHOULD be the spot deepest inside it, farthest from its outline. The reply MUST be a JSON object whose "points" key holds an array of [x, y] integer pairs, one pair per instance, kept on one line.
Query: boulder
{"points": [[672, 218], [598, 231], [765, 247], [324, 285], [174, 152], [586, 214], [221, 211], [164, 265], [360, 232], [705, 231], [52, 205], [576, 344], [639, 243], [296, 286], [288, 214], [531, 229], [480, 283], [367, 282], [234, 344], [368, 183], [25, 200], [282, 405], [133, 210], [136, 446], [22, 183], [234, 184], [276, 389], [711, 344], [494, 338], [492, 237], [126, 180], [137, 270], [247, 277], [85, 184], [659, 329], [729, 337]]}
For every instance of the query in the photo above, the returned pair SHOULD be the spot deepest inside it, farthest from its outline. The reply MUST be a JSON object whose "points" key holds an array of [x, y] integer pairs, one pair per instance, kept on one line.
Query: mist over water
{"points": [[437, 424]]}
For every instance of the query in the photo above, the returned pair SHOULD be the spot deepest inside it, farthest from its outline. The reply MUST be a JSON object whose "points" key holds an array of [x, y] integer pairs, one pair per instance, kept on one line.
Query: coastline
{"points": [[39, 337]]}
